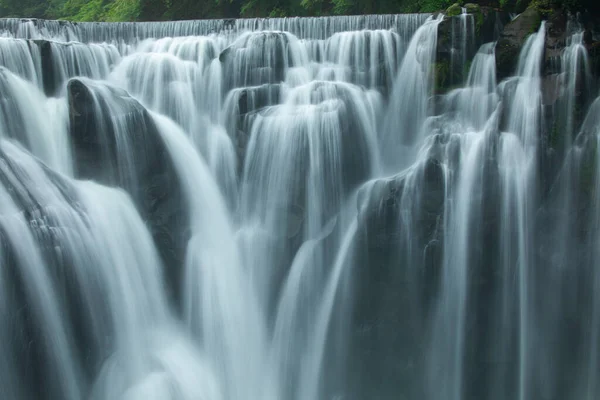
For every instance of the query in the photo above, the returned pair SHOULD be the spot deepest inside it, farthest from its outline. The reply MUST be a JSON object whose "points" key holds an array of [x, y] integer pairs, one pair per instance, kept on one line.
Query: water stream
{"points": [[268, 209]]}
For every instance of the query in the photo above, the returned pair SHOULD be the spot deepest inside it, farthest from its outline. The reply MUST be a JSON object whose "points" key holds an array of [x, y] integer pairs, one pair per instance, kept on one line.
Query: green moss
{"points": [[536, 24], [544, 7], [341, 7], [454, 10], [277, 13], [427, 6], [475, 9], [467, 69], [78, 10], [472, 8], [122, 10], [479, 21], [442, 75]]}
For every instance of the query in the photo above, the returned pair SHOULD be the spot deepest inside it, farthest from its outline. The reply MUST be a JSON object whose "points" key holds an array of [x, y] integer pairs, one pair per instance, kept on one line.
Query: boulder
{"points": [[454, 10], [395, 279], [146, 171], [512, 39], [61, 61], [240, 106], [556, 40], [257, 58], [29, 352], [482, 25], [47, 66]]}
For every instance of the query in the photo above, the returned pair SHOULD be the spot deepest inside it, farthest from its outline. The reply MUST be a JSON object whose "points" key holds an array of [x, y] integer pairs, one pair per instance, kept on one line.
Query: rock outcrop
{"points": [[396, 278], [512, 39], [257, 58], [130, 154], [459, 37]]}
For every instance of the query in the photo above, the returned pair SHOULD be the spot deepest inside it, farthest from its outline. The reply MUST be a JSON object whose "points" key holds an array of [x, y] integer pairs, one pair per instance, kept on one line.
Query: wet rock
{"points": [[242, 104], [28, 341], [229, 23], [146, 171], [396, 281], [48, 69], [489, 24], [257, 58], [556, 40], [482, 25], [254, 98], [512, 39], [450, 45], [454, 10], [594, 52]]}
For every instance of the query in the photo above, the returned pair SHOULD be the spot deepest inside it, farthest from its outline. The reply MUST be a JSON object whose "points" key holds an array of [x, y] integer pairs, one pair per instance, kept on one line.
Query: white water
{"points": [[267, 129], [401, 127]]}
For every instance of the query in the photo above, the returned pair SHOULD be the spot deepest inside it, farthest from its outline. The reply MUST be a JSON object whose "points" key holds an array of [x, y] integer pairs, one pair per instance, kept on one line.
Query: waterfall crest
{"points": [[298, 209]]}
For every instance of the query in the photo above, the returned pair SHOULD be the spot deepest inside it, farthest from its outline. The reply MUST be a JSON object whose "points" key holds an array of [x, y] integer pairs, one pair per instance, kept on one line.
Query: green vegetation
{"points": [[454, 10], [137, 10], [442, 76]]}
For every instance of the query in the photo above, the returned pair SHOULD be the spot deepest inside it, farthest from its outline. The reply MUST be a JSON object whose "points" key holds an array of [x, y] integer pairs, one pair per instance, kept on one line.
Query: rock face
{"points": [[48, 70], [261, 56], [402, 284], [48, 225], [28, 343], [146, 171], [61, 61], [512, 39], [394, 286], [240, 106], [459, 37]]}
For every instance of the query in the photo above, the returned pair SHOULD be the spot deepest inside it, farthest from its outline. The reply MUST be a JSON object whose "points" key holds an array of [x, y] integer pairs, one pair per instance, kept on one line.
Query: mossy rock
{"points": [[454, 10], [442, 76], [475, 10], [544, 7], [512, 39], [472, 8]]}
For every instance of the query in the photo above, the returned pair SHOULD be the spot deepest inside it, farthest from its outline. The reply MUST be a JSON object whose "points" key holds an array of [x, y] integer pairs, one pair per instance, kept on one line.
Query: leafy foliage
{"points": [[149, 10], [82, 10], [122, 10]]}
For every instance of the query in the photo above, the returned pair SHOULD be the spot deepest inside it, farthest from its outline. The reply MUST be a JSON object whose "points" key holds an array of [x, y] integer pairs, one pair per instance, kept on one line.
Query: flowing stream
{"points": [[289, 209]]}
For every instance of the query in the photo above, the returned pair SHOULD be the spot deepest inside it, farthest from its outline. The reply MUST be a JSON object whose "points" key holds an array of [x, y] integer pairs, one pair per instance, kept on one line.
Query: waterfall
{"points": [[21, 58], [294, 208], [408, 105], [37, 122]]}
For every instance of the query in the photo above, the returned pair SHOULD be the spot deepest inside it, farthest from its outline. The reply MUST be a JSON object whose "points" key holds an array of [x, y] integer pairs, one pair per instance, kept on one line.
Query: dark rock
{"points": [[147, 172], [594, 52], [396, 281], [244, 102], [588, 37], [29, 348], [229, 23], [512, 39], [256, 58], [556, 40], [451, 45], [489, 24], [48, 70], [482, 25]]}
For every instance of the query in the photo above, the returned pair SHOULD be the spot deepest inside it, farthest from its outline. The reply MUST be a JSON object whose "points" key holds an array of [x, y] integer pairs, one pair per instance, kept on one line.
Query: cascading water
{"points": [[291, 208], [401, 130]]}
